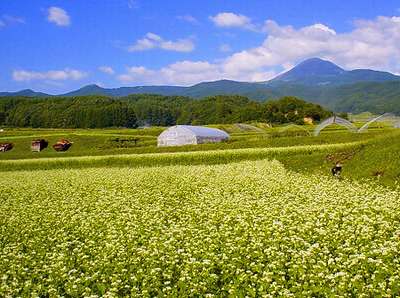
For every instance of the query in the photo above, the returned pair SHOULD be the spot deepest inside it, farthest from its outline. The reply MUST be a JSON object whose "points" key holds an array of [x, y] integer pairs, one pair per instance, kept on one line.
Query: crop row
{"points": [[243, 229], [156, 159]]}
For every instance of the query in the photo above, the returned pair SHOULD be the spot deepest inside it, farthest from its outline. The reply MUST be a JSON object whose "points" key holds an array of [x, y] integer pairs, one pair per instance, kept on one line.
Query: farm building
{"points": [[5, 147], [39, 145], [308, 120], [62, 145], [190, 135]]}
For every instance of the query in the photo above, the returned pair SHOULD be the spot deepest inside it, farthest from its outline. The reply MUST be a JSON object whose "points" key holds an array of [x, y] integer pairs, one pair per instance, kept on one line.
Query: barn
{"points": [[190, 135]]}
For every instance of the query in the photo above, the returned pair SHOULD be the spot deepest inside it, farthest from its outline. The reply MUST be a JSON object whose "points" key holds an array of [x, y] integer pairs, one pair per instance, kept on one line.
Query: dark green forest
{"points": [[146, 109]]}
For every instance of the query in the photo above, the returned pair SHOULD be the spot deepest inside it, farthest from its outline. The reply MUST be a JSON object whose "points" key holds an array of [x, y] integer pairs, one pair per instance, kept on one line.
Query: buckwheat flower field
{"points": [[244, 229]]}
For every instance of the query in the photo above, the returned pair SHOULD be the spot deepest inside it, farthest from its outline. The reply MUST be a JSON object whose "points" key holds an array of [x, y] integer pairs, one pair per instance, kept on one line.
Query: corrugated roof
{"points": [[202, 131]]}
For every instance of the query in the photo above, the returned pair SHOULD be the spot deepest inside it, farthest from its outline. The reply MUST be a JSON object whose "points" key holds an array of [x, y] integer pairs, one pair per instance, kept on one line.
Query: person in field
{"points": [[337, 170]]}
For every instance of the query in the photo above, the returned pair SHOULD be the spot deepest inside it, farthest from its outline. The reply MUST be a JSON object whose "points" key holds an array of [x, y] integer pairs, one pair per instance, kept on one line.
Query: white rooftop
{"points": [[202, 131]]}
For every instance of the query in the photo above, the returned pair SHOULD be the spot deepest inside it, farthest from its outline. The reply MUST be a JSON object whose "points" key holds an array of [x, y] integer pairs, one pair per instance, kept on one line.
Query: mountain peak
{"points": [[91, 86], [320, 63], [312, 67], [316, 71]]}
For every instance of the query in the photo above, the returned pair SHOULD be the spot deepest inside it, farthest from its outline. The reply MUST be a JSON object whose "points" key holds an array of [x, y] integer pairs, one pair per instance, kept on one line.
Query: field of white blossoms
{"points": [[243, 229]]}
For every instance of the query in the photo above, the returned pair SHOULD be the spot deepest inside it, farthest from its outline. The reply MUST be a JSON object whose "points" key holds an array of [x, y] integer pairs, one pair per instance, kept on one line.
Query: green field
{"points": [[295, 148], [259, 215], [100, 142]]}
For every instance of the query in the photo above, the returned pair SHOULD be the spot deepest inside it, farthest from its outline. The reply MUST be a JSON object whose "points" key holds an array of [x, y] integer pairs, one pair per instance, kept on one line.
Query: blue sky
{"points": [[57, 46]]}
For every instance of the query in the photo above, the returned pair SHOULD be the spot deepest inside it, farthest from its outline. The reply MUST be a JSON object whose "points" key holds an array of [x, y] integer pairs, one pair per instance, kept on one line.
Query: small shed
{"points": [[5, 147], [190, 135], [39, 145], [62, 145]]}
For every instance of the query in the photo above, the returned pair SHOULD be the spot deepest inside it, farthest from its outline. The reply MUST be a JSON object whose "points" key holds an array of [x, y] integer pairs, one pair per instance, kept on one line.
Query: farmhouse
{"points": [[39, 145], [190, 135]]}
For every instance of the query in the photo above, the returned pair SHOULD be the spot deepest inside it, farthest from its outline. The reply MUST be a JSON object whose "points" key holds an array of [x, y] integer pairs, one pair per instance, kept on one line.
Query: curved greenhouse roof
{"points": [[387, 116], [190, 135], [335, 120], [202, 131]]}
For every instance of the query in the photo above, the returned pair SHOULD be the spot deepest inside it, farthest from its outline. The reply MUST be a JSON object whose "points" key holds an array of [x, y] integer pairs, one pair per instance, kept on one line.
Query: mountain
{"points": [[124, 91], [253, 90], [25, 92], [316, 71], [86, 90], [311, 71], [314, 80], [377, 97]]}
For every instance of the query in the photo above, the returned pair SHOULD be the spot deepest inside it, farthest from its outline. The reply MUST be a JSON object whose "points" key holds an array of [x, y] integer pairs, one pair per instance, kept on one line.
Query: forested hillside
{"points": [[144, 109]]}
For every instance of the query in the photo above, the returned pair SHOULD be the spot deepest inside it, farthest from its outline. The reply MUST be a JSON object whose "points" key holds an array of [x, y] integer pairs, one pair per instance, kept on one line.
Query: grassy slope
{"points": [[379, 160], [96, 142], [376, 160]]}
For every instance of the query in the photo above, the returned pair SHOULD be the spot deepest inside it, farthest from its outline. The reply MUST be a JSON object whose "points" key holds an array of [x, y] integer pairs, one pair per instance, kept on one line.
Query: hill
{"points": [[125, 91], [25, 92], [156, 110], [222, 87]]}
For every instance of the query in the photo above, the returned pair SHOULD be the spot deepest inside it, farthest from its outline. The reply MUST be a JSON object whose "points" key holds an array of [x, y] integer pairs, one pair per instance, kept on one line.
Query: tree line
{"points": [[146, 109]]}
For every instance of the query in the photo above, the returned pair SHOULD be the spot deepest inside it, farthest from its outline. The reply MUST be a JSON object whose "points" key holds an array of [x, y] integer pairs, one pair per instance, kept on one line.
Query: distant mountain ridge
{"points": [[25, 92], [316, 71], [315, 80], [311, 72], [124, 91]]}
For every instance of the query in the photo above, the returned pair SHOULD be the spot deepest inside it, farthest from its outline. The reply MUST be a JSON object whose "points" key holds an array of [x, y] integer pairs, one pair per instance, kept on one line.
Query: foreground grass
{"points": [[244, 229]]}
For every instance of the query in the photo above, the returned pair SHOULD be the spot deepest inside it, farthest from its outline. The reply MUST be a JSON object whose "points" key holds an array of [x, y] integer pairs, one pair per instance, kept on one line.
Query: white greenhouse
{"points": [[190, 135]]}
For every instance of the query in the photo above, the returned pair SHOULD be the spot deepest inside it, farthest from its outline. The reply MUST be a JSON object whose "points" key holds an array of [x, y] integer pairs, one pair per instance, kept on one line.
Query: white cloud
{"points": [[58, 16], [323, 28], [51, 75], [371, 44], [224, 48], [133, 4], [188, 18], [12, 19], [186, 73], [229, 19], [6, 20], [182, 73], [137, 74], [107, 69], [154, 41]]}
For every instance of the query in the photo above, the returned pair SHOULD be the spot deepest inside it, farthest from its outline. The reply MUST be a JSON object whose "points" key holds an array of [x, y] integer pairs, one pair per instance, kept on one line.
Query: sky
{"points": [[56, 46]]}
